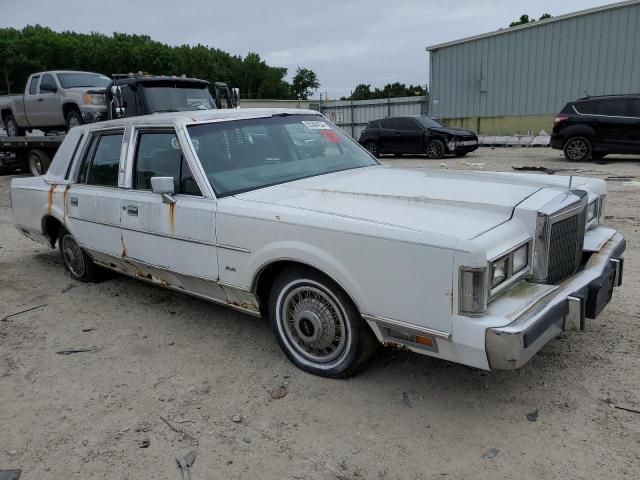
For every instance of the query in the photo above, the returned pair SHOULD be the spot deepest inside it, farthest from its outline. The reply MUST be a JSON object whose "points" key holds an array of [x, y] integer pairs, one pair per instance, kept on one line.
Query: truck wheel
{"points": [[373, 149], [435, 149], [38, 162], [75, 260], [13, 130], [317, 325], [74, 119], [577, 149]]}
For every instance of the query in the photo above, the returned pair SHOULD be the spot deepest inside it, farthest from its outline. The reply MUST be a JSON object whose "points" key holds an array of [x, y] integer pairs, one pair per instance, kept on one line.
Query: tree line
{"points": [[37, 48], [363, 91]]}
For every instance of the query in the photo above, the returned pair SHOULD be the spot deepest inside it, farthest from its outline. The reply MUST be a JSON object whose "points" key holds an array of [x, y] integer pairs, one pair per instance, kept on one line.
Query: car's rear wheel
{"points": [[373, 149], [317, 325], [76, 261], [13, 130], [38, 162], [577, 149], [435, 149]]}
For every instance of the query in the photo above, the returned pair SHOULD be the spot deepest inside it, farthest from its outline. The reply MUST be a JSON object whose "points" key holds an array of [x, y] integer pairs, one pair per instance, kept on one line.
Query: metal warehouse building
{"points": [[514, 80]]}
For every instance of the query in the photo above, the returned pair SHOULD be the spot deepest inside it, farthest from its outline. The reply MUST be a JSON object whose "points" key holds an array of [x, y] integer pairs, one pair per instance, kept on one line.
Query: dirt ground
{"points": [[173, 374]]}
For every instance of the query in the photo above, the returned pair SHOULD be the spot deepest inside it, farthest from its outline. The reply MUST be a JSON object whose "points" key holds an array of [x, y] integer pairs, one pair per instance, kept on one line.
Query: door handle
{"points": [[132, 210], [73, 201]]}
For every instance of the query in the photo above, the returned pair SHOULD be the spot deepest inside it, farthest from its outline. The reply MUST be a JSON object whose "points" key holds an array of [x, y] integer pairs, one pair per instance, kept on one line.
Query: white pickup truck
{"points": [[56, 100], [278, 213]]}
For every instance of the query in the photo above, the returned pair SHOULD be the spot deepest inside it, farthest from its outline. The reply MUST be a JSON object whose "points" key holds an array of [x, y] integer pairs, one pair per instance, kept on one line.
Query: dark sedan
{"points": [[417, 134]]}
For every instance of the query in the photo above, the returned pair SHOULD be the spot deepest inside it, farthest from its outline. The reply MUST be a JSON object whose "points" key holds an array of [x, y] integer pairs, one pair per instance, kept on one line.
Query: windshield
{"points": [[71, 80], [177, 99], [248, 154], [430, 122]]}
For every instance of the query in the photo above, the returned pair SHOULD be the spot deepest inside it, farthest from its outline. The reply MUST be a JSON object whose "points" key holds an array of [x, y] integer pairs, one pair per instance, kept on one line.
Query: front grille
{"points": [[565, 247]]}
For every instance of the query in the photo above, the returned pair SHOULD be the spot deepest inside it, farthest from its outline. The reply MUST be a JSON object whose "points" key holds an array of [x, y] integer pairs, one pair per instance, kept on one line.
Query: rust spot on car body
{"points": [[172, 209], [395, 346], [50, 197], [124, 248]]}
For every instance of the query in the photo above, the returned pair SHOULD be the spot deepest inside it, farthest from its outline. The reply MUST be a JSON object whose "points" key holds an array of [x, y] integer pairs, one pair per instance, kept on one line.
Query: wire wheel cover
{"points": [[314, 324]]}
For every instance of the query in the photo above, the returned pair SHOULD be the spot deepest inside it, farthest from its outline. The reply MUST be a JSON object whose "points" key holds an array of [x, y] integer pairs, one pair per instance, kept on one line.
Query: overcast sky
{"points": [[345, 42]]}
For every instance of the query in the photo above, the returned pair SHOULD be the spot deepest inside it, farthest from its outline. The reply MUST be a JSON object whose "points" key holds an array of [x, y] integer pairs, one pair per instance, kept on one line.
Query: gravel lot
{"points": [[167, 363]]}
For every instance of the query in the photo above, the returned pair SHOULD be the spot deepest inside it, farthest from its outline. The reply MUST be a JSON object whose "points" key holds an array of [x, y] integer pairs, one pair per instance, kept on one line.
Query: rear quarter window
{"points": [[616, 107]]}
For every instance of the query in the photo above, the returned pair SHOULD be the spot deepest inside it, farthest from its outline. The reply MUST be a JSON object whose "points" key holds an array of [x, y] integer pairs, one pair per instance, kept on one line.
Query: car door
{"points": [[93, 199], [170, 243], [408, 136], [44, 108], [633, 126], [387, 134], [608, 120]]}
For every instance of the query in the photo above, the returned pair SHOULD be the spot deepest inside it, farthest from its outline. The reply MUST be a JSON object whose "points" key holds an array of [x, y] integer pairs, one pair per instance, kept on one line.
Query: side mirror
{"points": [[164, 186]]}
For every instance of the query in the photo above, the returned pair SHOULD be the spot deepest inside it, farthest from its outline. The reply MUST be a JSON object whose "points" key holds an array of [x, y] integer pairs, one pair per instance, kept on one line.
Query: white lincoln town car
{"points": [[279, 213]]}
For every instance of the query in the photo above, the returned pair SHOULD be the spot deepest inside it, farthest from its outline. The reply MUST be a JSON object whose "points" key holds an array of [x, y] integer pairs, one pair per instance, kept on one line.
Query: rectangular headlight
{"points": [[592, 210], [520, 259], [601, 209], [509, 265], [473, 291], [499, 271]]}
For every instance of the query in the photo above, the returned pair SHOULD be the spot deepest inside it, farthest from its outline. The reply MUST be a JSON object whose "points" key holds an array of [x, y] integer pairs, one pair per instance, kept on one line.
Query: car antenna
{"points": [[587, 94]]}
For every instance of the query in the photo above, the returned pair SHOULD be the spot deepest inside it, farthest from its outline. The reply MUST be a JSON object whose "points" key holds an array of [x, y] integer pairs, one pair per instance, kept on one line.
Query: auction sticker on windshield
{"points": [[315, 125]]}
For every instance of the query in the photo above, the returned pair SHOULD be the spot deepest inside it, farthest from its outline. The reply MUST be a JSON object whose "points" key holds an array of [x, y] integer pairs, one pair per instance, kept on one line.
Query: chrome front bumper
{"points": [[581, 296]]}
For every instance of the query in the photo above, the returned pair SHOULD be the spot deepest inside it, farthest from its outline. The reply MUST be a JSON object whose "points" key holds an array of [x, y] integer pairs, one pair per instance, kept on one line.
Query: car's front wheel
{"points": [[373, 149], [577, 149], [74, 119], [317, 325], [435, 149], [76, 261]]}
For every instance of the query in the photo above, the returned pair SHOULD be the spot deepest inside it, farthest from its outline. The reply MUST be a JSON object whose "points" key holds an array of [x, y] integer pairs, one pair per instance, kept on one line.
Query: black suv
{"points": [[593, 127], [416, 134]]}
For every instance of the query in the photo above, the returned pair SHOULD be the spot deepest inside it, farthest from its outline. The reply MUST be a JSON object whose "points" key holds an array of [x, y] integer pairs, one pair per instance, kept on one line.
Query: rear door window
{"points": [[102, 160], [634, 110], [406, 124], [388, 123]]}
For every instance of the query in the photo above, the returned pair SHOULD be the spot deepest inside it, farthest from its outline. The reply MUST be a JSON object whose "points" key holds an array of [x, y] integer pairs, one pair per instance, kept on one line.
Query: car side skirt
{"points": [[204, 288]]}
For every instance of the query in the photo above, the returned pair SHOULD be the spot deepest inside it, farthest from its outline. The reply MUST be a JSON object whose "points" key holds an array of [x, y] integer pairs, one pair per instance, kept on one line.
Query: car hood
{"points": [[461, 204], [458, 132]]}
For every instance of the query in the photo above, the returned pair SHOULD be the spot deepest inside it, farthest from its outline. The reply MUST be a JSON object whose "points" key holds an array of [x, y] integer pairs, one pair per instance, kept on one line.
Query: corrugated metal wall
{"points": [[535, 71], [304, 104], [352, 117]]}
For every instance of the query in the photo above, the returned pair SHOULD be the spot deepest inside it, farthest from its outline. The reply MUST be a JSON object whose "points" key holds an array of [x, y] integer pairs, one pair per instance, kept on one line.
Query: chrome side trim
{"points": [[147, 232], [389, 322], [233, 247]]}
